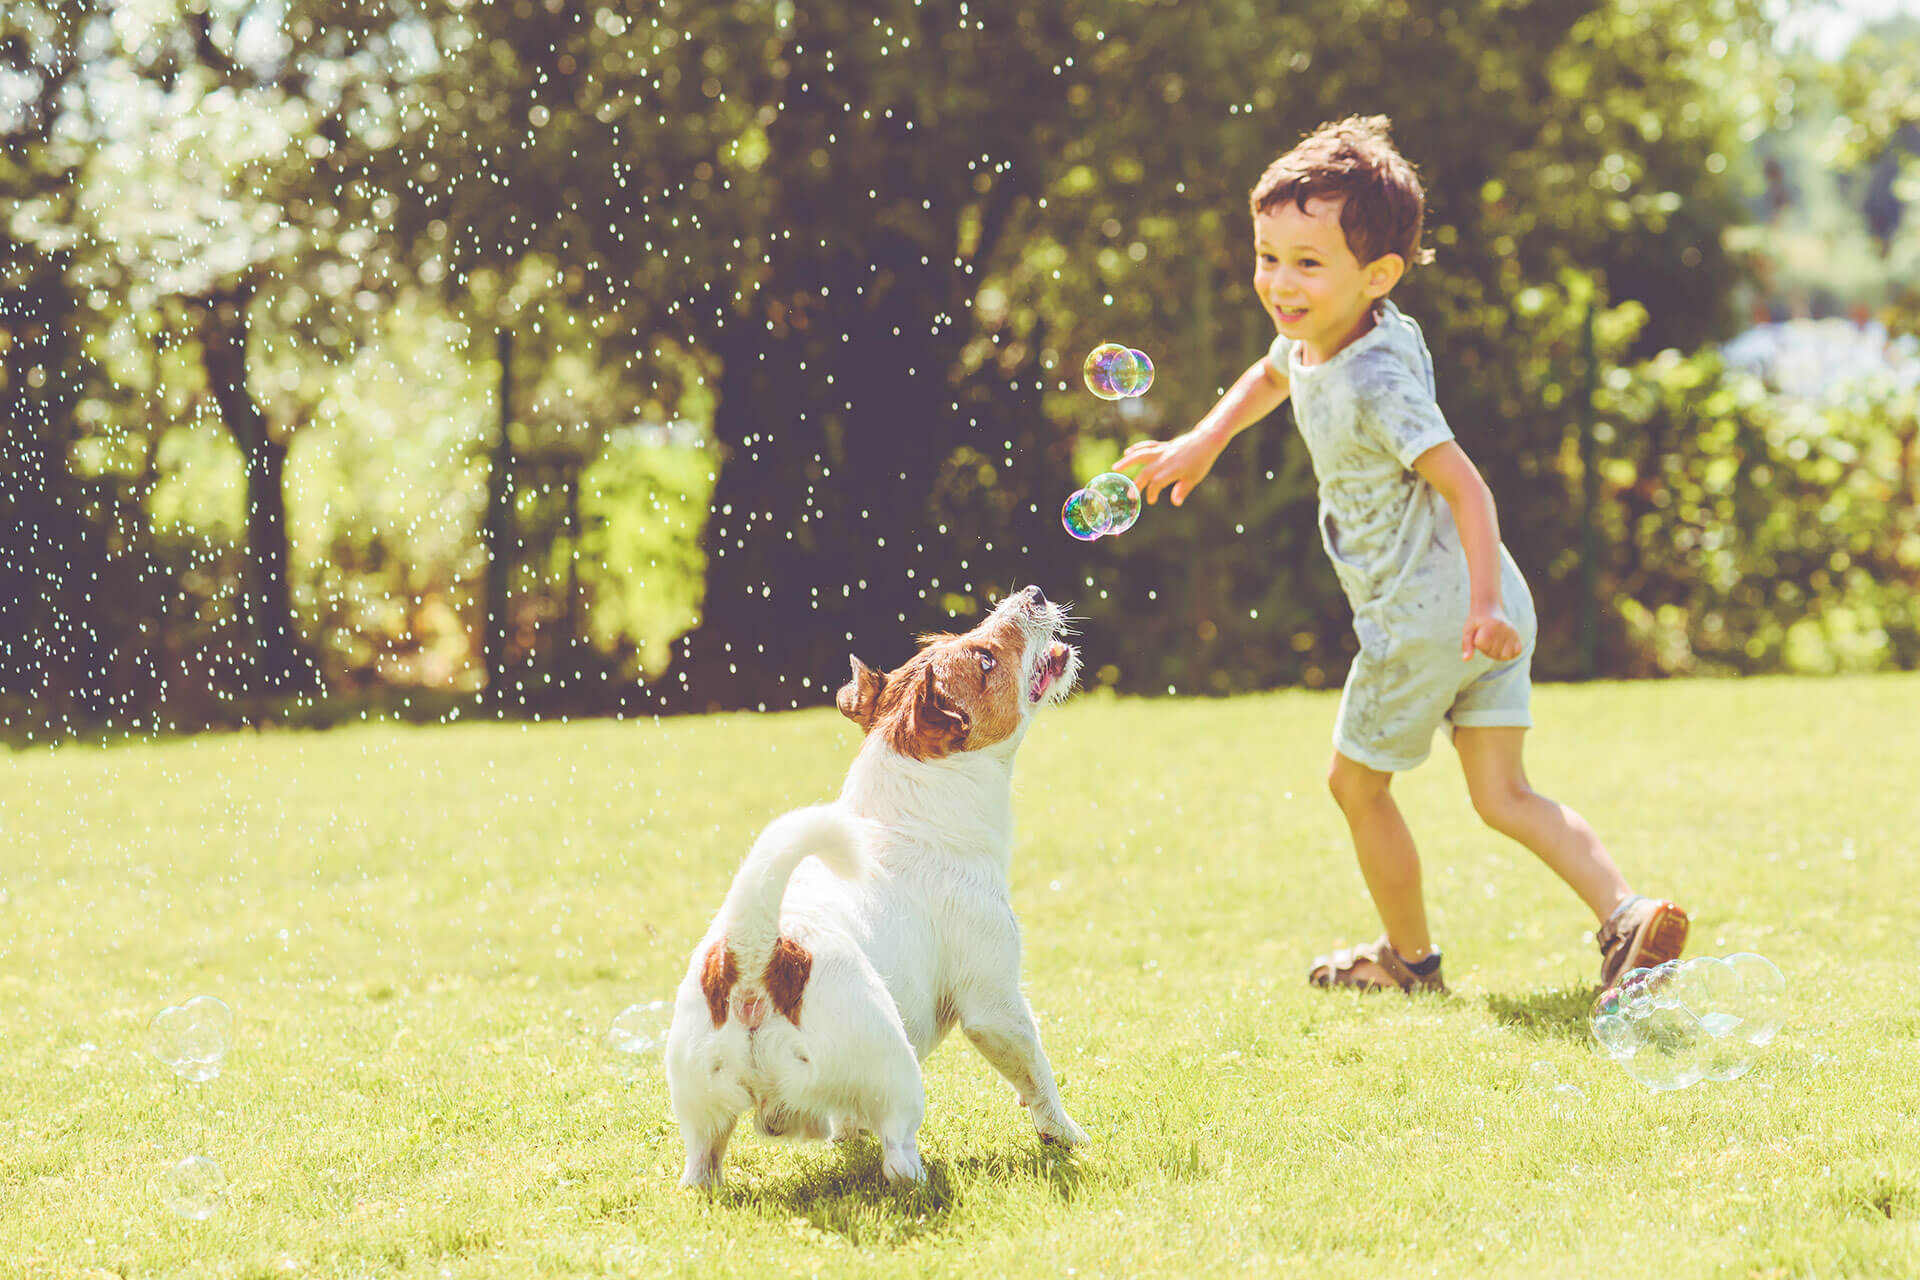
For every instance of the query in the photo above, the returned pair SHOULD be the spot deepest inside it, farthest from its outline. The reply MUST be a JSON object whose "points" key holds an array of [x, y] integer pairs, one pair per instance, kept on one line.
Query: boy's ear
{"points": [[1383, 273]]}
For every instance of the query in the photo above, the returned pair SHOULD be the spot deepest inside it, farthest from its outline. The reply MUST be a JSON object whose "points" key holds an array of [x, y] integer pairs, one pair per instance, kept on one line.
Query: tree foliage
{"points": [[847, 259]]}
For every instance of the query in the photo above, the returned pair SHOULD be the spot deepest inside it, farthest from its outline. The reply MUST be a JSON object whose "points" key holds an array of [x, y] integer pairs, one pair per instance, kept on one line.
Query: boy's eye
{"points": [[1309, 262]]}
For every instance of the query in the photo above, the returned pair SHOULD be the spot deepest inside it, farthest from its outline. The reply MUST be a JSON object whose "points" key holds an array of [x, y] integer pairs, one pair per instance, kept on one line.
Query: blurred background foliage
{"points": [[539, 356]]}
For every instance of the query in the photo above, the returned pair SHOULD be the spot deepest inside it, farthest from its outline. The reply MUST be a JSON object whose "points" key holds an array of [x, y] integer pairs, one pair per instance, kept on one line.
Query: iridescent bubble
{"points": [[1143, 372], [192, 1038], [1085, 515], [194, 1188], [1668, 1054], [1614, 1034], [1568, 1099], [1709, 985], [1633, 993], [1122, 497], [1662, 985], [1763, 996], [1113, 371], [1728, 1054], [1699, 1019], [638, 1032]]}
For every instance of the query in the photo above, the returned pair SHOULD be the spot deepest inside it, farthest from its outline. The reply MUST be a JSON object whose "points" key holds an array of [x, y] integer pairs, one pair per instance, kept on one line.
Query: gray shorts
{"points": [[1406, 682]]}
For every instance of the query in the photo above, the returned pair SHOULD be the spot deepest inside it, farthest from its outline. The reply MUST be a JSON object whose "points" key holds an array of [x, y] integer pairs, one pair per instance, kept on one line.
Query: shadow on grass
{"points": [[848, 1196], [1558, 1014]]}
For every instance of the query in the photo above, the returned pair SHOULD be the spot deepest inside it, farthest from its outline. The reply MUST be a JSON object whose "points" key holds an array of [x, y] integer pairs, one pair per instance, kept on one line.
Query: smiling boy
{"points": [[1445, 621]]}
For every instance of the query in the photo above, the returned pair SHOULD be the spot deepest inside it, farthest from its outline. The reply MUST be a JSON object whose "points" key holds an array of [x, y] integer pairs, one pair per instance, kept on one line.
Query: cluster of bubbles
{"points": [[637, 1035], [192, 1038], [1114, 372], [1693, 1020], [1109, 504]]}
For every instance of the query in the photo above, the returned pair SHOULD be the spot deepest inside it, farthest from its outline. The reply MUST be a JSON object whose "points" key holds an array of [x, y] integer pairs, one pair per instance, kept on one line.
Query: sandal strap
{"points": [[1379, 952], [1614, 928]]}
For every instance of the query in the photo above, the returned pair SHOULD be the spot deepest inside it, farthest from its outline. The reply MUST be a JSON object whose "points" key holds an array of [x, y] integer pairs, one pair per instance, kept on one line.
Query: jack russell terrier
{"points": [[857, 934]]}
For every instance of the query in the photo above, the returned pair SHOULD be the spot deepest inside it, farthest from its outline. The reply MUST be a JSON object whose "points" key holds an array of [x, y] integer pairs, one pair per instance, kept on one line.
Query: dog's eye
{"points": [[987, 661]]}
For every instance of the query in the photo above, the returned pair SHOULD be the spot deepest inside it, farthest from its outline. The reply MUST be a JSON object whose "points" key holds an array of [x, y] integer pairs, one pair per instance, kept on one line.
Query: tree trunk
{"points": [[499, 535], [279, 662]]}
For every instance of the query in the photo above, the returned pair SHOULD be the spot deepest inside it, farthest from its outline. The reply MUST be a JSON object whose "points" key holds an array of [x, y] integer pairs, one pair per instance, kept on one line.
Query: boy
{"points": [[1445, 621]]}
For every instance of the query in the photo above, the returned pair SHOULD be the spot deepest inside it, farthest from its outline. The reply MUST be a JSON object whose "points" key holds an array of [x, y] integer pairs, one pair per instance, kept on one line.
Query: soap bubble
{"points": [[638, 1032], [1666, 1052], [1567, 1099], [1085, 515], [1113, 371], [1109, 504], [1763, 995], [1142, 372], [192, 1038], [194, 1188], [1686, 1021], [1122, 497]]}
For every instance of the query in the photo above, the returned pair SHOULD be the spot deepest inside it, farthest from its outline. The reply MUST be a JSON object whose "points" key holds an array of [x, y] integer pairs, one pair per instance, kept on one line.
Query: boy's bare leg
{"points": [[1561, 838], [1388, 859]]}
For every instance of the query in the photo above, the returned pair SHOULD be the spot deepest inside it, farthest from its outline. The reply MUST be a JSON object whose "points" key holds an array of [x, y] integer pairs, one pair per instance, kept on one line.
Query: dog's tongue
{"points": [[1049, 671]]}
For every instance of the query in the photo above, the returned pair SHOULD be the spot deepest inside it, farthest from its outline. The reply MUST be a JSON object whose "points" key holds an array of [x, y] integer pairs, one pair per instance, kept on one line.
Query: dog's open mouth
{"points": [[1050, 670]]}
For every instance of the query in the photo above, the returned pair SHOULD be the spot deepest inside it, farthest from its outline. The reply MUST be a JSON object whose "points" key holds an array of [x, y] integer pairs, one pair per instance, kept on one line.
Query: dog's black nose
{"points": [[1038, 596]]}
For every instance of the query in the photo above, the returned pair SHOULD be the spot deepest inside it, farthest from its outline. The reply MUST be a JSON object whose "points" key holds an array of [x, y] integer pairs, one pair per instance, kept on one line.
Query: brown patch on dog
{"points": [[786, 977], [923, 722], [717, 976]]}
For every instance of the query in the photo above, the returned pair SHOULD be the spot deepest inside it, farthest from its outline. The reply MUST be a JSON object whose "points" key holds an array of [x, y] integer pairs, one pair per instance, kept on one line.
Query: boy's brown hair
{"points": [[1353, 159]]}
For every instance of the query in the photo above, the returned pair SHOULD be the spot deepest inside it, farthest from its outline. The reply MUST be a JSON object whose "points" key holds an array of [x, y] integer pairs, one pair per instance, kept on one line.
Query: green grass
{"points": [[424, 932]]}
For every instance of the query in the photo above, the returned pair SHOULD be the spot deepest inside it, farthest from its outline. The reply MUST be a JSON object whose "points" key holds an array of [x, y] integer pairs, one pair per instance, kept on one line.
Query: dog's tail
{"points": [[750, 949]]}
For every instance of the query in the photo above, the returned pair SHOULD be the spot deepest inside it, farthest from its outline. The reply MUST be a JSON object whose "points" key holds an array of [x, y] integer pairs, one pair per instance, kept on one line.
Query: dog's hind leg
{"points": [[706, 1147], [898, 1113]]}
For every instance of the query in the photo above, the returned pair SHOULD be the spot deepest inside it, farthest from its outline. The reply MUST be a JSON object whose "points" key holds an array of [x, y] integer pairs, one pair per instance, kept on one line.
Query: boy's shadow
{"points": [[1555, 1014], [846, 1193]]}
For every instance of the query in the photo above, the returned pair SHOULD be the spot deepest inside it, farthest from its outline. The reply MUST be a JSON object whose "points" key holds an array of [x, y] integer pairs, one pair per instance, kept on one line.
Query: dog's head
{"points": [[968, 692]]}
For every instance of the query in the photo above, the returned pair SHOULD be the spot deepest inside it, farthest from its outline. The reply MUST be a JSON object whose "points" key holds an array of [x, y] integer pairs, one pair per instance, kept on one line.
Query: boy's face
{"points": [[1313, 288]]}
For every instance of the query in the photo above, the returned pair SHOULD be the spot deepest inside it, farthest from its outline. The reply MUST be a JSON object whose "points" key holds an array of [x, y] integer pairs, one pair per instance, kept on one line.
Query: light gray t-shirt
{"points": [[1366, 415]]}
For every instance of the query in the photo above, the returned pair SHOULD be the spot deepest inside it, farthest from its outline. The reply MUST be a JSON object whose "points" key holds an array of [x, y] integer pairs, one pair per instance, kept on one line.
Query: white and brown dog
{"points": [[823, 984]]}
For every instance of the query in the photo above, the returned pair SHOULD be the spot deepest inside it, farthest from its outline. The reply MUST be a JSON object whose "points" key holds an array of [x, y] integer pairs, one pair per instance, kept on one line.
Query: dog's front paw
{"points": [[1060, 1130]]}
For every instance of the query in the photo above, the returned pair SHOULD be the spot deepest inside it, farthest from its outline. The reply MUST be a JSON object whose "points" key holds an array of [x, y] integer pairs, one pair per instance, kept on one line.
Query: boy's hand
{"points": [[1182, 462], [1492, 635]]}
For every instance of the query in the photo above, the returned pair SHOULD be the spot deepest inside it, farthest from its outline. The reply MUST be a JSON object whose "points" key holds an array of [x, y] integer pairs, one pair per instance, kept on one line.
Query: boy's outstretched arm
{"points": [[1448, 469], [1183, 462]]}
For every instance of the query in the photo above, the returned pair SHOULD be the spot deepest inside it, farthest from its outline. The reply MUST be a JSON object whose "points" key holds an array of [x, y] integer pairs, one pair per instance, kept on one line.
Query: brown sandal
{"points": [[1338, 970], [1642, 933]]}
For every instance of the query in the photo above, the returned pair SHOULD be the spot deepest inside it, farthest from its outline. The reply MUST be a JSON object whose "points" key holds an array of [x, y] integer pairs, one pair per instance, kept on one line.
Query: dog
{"points": [[857, 934]]}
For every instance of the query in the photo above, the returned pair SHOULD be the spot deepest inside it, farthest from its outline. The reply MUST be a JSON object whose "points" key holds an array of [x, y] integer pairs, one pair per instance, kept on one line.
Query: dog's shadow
{"points": [[846, 1194], [1555, 1014]]}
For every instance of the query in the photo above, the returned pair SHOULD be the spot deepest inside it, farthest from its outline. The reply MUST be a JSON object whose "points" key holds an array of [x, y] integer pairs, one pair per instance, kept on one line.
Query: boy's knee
{"points": [[1502, 807], [1354, 784]]}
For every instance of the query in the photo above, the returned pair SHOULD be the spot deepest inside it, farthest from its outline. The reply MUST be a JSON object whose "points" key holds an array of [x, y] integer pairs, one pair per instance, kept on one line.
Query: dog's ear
{"points": [[933, 725], [859, 697]]}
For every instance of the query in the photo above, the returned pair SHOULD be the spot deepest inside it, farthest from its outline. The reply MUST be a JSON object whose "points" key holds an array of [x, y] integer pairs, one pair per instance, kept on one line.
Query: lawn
{"points": [[424, 932]]}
